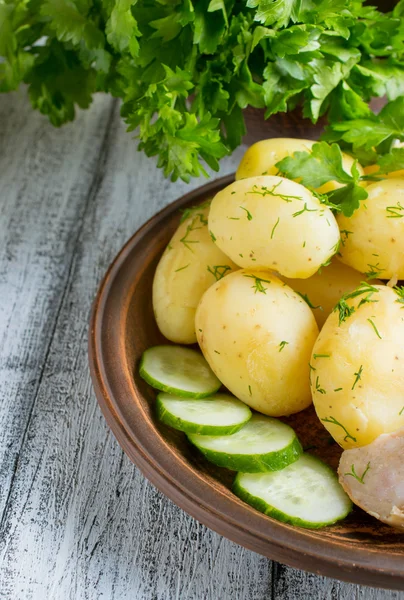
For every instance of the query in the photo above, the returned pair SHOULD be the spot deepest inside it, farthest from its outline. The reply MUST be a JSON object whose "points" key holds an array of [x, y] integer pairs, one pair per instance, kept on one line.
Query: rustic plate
{"points": [[360, 549]]}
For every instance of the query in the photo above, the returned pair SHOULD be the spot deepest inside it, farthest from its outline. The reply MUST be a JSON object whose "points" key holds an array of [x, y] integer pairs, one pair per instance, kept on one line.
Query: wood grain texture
{"points": [[78, 520]]}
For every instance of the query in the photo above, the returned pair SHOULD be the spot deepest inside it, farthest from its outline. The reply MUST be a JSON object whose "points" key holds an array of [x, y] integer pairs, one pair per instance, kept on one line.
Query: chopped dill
{"points": [[375, 328], [258, 287], [249, 215], [356, 476], [358, 376], [334, 421], [274, 227], [219, 271]]}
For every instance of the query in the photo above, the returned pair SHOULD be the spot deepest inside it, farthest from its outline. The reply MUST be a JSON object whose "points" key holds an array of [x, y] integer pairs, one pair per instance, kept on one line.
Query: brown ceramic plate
{"points": [[360, 549]]}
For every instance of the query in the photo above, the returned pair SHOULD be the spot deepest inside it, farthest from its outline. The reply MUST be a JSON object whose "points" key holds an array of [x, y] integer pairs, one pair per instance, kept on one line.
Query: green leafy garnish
{"points": [[219, 271], [321, 165], [190, 228], [194, 210], [185, 70], [375, 329], [258, 284], [282, 345], [334, 421], [395, 212], [345, 310], [307, 300], [353, 474], [358, 376], [182, 268], [274, 227], [249, 215]]}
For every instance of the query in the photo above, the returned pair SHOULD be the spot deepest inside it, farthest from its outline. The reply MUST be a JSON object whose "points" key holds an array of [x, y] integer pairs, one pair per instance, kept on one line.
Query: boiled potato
{"points": [[189, 265], [257, 335], [261, 158], [357, 367], [274, 223], [373, 238], [324, 289]]}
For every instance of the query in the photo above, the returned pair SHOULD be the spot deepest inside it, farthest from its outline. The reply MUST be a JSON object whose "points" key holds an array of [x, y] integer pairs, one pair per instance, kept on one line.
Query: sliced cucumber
{"points": [[220, 414], [306, 493], [263, 444], [178, 370]]}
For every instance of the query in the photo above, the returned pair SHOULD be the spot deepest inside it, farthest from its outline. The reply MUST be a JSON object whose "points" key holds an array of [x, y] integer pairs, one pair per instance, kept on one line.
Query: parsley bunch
{"points": [[186, 69]]}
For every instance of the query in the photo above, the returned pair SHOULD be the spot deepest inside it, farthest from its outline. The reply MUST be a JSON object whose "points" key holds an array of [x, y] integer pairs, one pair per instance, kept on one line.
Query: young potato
{"points": [[357, 366], [373, 238], [324, 289], [190, 264], [257, 335], [261, 158], [274, 223]]}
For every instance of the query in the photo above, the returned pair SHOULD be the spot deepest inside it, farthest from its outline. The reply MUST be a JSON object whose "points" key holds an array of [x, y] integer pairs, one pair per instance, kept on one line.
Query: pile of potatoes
{"points": [[281, 296]]}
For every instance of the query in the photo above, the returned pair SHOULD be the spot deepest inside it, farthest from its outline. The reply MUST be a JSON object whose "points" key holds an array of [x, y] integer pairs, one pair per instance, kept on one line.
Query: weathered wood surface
{"points": [[77, 519]]}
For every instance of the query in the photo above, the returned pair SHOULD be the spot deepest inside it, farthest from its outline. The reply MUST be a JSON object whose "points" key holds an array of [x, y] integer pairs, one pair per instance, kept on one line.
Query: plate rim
{"points": [[295, 546]]}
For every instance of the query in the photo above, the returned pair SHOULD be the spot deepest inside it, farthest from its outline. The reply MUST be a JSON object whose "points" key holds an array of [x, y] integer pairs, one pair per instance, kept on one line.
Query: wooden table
{"points": [[78, 520]]}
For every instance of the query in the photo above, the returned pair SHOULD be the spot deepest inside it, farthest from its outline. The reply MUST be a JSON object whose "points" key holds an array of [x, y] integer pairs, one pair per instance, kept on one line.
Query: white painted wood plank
{"points": [[81, 522], [45, 177]]}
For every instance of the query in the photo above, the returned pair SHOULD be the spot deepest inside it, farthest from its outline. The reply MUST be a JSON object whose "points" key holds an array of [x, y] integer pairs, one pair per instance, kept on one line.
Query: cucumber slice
{"points": [[179, 371], [263, 444], [306, 493], [220, 414]]}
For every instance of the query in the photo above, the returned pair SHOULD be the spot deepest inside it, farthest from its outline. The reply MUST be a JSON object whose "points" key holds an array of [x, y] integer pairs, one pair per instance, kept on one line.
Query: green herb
{"points": [[321, 165], [343, 308], [375, 328], [249, 215], [212, 235], [315, 356], [319, 389], [249, 389], [304, 244], [274, 227], [395, 211], [338, 389], [393, 161], [346, 234], [258, 287], [264, 191], [200, 330], [358, 376], [304, 209], [307, 300], [374, 271], [182, 268], [190, 228], [216, 351], [334, 421], [185, 70], [282, 345], [169, 247], [353, 474], [219, 271], [400, 293], [234, 218], [193, 211], [401, 412]]}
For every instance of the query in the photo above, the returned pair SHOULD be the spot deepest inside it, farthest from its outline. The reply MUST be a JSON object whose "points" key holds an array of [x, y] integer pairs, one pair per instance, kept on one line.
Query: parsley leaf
{"points": [[393, 161]]}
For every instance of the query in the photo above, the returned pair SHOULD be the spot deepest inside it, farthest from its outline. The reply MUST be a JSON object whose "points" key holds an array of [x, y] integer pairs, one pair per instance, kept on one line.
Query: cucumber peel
{"points": [[220, 414], [178, 370], [306, 493], [263, 444]]}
